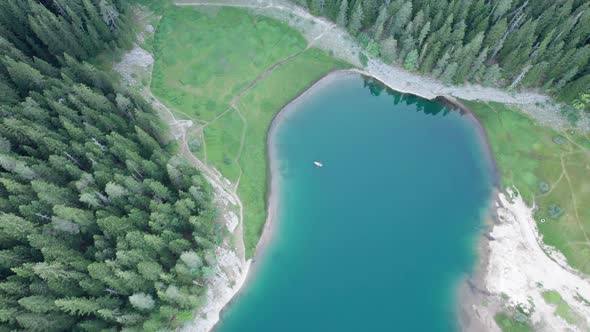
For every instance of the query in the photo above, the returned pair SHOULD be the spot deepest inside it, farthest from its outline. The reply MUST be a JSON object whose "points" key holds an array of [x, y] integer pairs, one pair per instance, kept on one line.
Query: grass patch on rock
{"points": [[512, 323], [562, 309]]}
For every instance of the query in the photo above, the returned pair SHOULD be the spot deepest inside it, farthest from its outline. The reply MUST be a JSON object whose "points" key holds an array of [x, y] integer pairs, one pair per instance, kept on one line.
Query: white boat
{"points": [[318, 164]]}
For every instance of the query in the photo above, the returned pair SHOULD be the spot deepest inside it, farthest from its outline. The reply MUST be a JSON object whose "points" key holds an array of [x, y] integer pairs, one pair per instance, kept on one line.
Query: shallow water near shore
{"points": [[377, 239]]}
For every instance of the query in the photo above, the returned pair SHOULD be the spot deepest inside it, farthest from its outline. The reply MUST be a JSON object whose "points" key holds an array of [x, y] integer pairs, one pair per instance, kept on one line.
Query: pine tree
{"points": [[491, 76], [478, 67], [84, 306], [575, 88], [15, 228], [96, 20], [468, 56], [441, 65], [110, 14], [317, 7], [449, 73], [534, 75], [342, 14], [493, 37], [23, 76], [142, 301], [410, 62], [389, 49], [355, 21], [402, 18], [379, 23], [428, 63], [44, 322], [423, 33], [38, 304], [501, 7], [407, 46], [580, 33]]}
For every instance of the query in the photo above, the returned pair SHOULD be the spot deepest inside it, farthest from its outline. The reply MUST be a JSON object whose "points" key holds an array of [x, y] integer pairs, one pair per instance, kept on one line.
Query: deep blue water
{"points": [[377, 239]]}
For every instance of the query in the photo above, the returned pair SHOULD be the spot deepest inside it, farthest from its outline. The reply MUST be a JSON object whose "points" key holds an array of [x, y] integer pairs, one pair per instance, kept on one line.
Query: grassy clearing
{"points": [[508, 323], [198, 74], [223, 138], [205, 58], [550, 169], [562, 309]]}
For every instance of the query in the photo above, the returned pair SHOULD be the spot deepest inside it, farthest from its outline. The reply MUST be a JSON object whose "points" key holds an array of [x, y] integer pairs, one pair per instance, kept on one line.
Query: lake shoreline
{"points": [[470, 290], [475, 305], [273, 187]]}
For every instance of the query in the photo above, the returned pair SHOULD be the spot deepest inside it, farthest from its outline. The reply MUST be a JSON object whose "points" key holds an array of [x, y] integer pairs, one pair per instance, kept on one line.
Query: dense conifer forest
{"points": [[507, 43], [101, 229]]}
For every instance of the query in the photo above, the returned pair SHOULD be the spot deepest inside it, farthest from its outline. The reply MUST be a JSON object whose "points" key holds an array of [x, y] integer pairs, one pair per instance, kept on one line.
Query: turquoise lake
{"points": [[379, 238]]}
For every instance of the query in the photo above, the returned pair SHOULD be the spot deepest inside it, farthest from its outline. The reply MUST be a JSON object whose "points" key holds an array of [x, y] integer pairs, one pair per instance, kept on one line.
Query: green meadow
{"points": [[550, 170], [204, 58]]}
